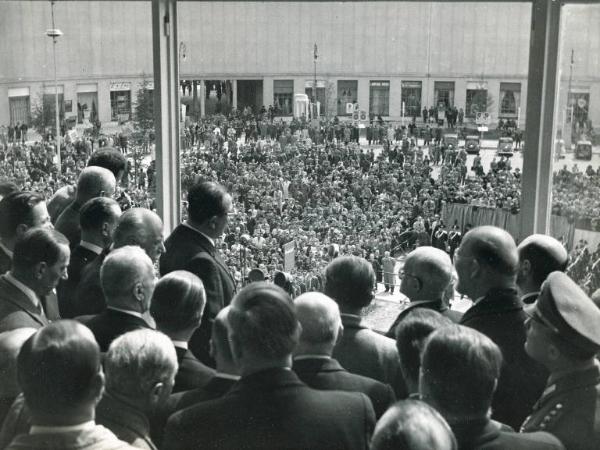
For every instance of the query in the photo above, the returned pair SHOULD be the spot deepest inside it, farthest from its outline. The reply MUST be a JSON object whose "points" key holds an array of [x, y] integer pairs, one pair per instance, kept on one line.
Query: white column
{"points": [[234, 93]]}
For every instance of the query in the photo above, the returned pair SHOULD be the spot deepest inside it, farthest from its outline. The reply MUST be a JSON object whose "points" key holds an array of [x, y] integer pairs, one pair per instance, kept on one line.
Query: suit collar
{"points": [[18, 299], [352, 321], [496, 300], [26, 290], [5, 249], [204, 235], [267, 380], [475, 433], [570, 381], [113, 410], [314, 365]]}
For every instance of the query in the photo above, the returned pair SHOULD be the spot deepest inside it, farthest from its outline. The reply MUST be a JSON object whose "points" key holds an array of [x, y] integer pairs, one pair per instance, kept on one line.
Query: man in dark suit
{"points": [[486, 263], [136, 226], [270, 406], [424, 278], [563, 335], [177, 305], [459, 373], [127, 279], [140, 369], [93, 182], [539, 255], [41, 258], [19, 211], [98, 220], [350, 281], [321, 324], [191, 247]]}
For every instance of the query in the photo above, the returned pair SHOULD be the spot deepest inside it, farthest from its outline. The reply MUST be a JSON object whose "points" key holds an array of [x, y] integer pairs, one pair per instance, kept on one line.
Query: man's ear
{"points": [[105, 230], [21, 229], [553, 352], [40, 269], [340, 333], [525, 267], [475, 268]]}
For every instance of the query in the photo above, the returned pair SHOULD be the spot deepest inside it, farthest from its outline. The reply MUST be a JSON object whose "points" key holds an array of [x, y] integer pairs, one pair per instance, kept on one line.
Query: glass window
{"points": [[19, 109], [444, 94], [283, 97], [477, 100], [379, 98], [510, 99], [347, 96], [120, 106], [411, 98]]}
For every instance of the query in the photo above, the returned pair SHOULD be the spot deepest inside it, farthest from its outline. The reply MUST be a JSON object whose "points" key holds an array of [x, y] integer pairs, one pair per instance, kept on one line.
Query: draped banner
{"points": [[560, 228]]}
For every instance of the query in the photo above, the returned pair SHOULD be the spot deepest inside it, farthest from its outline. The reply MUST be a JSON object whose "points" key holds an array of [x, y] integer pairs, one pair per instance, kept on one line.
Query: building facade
{"points": [[386, 58]]}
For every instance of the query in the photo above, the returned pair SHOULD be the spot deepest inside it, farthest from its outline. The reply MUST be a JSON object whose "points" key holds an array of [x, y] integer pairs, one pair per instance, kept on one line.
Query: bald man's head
{"points": [[427, 272], [220, 349], [320, 319], [540, 255], [95, 181], [141, 227]]}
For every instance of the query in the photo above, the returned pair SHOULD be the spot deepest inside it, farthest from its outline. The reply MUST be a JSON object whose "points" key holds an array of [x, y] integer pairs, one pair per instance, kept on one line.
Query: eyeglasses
{"points": [[538, 318], [402, 274]]}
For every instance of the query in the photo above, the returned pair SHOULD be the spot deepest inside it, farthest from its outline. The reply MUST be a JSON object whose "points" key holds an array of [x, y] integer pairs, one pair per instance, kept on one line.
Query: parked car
{"points": [[583, 150], [451, 141], [506, 146], [472, 144]]}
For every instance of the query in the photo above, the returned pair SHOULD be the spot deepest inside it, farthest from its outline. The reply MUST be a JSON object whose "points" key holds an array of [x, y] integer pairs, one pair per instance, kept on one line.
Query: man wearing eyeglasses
{"points": [[486, 264], [563, 335]]}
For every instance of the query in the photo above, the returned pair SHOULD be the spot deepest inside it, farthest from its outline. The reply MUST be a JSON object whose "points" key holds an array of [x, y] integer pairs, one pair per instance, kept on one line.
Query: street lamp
{"points": [[55, 33]]}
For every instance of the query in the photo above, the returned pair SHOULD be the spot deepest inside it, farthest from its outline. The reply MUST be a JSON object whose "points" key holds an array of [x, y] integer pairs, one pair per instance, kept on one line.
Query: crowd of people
{"points": [[112, 337]]}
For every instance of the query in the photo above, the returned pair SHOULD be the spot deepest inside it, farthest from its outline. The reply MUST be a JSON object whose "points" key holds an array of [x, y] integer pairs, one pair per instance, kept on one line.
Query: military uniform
{"points": [[569, 407]]}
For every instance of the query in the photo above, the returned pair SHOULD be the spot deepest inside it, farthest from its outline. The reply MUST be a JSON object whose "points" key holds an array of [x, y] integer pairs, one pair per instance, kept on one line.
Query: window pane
{"points": [[379, 98]]}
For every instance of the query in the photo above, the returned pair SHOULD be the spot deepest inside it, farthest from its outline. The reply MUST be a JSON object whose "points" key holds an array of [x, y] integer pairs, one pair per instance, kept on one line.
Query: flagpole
{"points": [[314, 89]]}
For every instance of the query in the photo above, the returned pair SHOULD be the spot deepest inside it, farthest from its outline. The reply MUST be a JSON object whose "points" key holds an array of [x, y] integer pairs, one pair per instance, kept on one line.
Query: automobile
{"points": [[583, 150], [451, 141], [472, 144], [506, 146]]}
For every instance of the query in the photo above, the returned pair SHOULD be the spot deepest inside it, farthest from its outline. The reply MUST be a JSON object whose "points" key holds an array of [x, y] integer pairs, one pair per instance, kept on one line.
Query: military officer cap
{"points": [[566, 309]]}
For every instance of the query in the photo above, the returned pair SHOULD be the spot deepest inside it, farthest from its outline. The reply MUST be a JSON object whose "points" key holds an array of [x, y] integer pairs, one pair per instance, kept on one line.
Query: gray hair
{"points": [[137, 360], [122, 268]]}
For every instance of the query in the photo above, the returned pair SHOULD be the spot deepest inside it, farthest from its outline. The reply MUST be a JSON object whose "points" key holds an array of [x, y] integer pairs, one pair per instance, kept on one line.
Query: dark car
{"points": [[472, 144], [451, 141], [506, 146], [583, 150]]}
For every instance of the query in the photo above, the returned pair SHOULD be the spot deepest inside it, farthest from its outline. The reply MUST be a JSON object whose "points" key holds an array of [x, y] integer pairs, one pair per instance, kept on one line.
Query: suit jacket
{"points": [[491, 435], [328, 375], [68, 223], [187, 249], [110, 324], [98, 438], [16, 309], [435, 305], [569, 409], [273, 409], [127, 423], [191, 373], [80, 258], [500, 316], [89, 297], [5, 261], [365, 352]]}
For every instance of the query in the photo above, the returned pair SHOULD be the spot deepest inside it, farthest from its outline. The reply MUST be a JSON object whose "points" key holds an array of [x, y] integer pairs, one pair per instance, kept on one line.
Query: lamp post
{"points": [[55, 33], [314, 89]]}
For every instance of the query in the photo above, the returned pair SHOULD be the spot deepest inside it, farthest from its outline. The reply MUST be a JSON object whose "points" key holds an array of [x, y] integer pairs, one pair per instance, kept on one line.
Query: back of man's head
{"points": [[493, 248], [428, 273], [10, 345], [411, 333], [142, 227], [17, 209], [349, 280], [206, 199], [412, 425], [141, 365], [95, 181], [59, 369], [542, 255], [262, 323], [220, 349], [97, 212], [125, 277], [320, 319], [35, 246], [6, 188], [111, 159], [459, 372], [178, 302]]}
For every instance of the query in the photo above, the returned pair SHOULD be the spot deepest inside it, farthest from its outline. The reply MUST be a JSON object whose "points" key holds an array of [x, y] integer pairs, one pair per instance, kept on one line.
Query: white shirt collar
{"points": [[42, 429], [180, 344], [126, 311], [31, 295], [477, 300], [309, 356], [6, 250], [91, 247], [227, 376], [211, 240]]}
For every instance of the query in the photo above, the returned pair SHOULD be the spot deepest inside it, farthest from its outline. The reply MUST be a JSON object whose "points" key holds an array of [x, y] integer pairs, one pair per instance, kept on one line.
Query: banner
{"points": [[289, 256]]}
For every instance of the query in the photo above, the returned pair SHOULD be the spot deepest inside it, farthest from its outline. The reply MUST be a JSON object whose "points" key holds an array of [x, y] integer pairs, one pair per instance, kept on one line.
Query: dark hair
{"points": [[412, 425], [263, 320], [411, 333], [349, 280], [38, 245], [460, 367], [95, 212], [56, 366], [543, 260], [206, 199], [8, 187], [15, 209], [110, 159], [178, 301]]}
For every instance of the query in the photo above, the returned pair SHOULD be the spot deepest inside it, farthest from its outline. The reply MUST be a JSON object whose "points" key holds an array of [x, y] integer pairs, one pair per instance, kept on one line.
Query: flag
{"points": [[316, 55]]}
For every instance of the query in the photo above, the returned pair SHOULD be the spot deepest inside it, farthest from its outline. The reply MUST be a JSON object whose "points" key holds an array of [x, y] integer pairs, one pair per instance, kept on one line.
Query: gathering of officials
{"points": [[111, 338]]}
